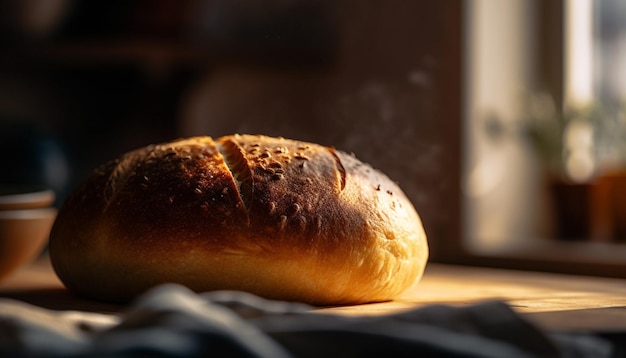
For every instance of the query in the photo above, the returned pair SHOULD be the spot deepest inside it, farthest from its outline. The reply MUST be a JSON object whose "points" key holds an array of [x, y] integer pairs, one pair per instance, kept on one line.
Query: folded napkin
{"points": [[171, 321]]}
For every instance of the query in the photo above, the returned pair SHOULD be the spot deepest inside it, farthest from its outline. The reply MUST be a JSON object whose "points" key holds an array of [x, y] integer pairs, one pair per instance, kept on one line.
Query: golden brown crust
{"points": [[279, 218]]}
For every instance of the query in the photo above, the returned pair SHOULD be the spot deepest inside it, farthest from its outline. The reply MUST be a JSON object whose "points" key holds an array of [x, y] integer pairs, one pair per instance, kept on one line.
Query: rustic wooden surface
{"points": [[553, 301]]}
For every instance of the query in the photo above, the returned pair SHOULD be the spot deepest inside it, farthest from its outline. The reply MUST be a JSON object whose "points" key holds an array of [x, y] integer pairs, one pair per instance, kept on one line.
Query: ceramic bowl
{"points": [[26, 217]]}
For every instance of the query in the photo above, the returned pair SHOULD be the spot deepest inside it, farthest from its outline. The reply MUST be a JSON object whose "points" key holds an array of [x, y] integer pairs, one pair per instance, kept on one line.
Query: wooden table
{"points": [[553, 301]]}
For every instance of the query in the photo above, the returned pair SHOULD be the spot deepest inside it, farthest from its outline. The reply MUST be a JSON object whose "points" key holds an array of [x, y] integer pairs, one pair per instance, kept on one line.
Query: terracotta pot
{"points": [[572, 210]]}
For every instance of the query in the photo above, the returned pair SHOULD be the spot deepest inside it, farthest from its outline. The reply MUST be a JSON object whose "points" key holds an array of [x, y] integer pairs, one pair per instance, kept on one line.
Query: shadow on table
{"points": [[59, 299]]}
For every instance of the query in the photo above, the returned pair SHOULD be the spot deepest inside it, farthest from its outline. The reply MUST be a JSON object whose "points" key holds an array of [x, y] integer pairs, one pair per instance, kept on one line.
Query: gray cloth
{"points": [[171, 321]]}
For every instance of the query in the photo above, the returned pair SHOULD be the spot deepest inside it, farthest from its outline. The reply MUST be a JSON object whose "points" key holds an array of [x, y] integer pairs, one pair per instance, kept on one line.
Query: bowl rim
{"points": [[28, 214], [18, 197]]}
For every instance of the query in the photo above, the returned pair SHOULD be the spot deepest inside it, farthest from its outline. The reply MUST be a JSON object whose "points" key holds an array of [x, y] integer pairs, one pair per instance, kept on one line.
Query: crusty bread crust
{"points": [[279, 218]]}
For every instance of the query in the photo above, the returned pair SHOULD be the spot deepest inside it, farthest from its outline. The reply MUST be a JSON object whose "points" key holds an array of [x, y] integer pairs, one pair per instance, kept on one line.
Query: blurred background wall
{"points": [[503, 121], [84, 81]]}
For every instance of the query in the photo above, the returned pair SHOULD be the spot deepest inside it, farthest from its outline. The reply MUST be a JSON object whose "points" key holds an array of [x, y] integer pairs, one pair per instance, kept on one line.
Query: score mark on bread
{"points": [[279, 218]]}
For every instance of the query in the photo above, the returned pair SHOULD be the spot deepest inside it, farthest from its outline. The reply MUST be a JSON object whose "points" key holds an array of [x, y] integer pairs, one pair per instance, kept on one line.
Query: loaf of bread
{"points": [[279, 218]]}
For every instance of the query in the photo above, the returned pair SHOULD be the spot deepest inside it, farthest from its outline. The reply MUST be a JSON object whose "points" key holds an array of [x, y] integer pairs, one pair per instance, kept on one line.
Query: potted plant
{"points": [[583, 150]]}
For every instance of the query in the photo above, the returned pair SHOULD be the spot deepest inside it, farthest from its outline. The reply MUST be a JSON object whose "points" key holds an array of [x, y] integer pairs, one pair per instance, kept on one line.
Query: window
{"points": [[545, 133]]}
